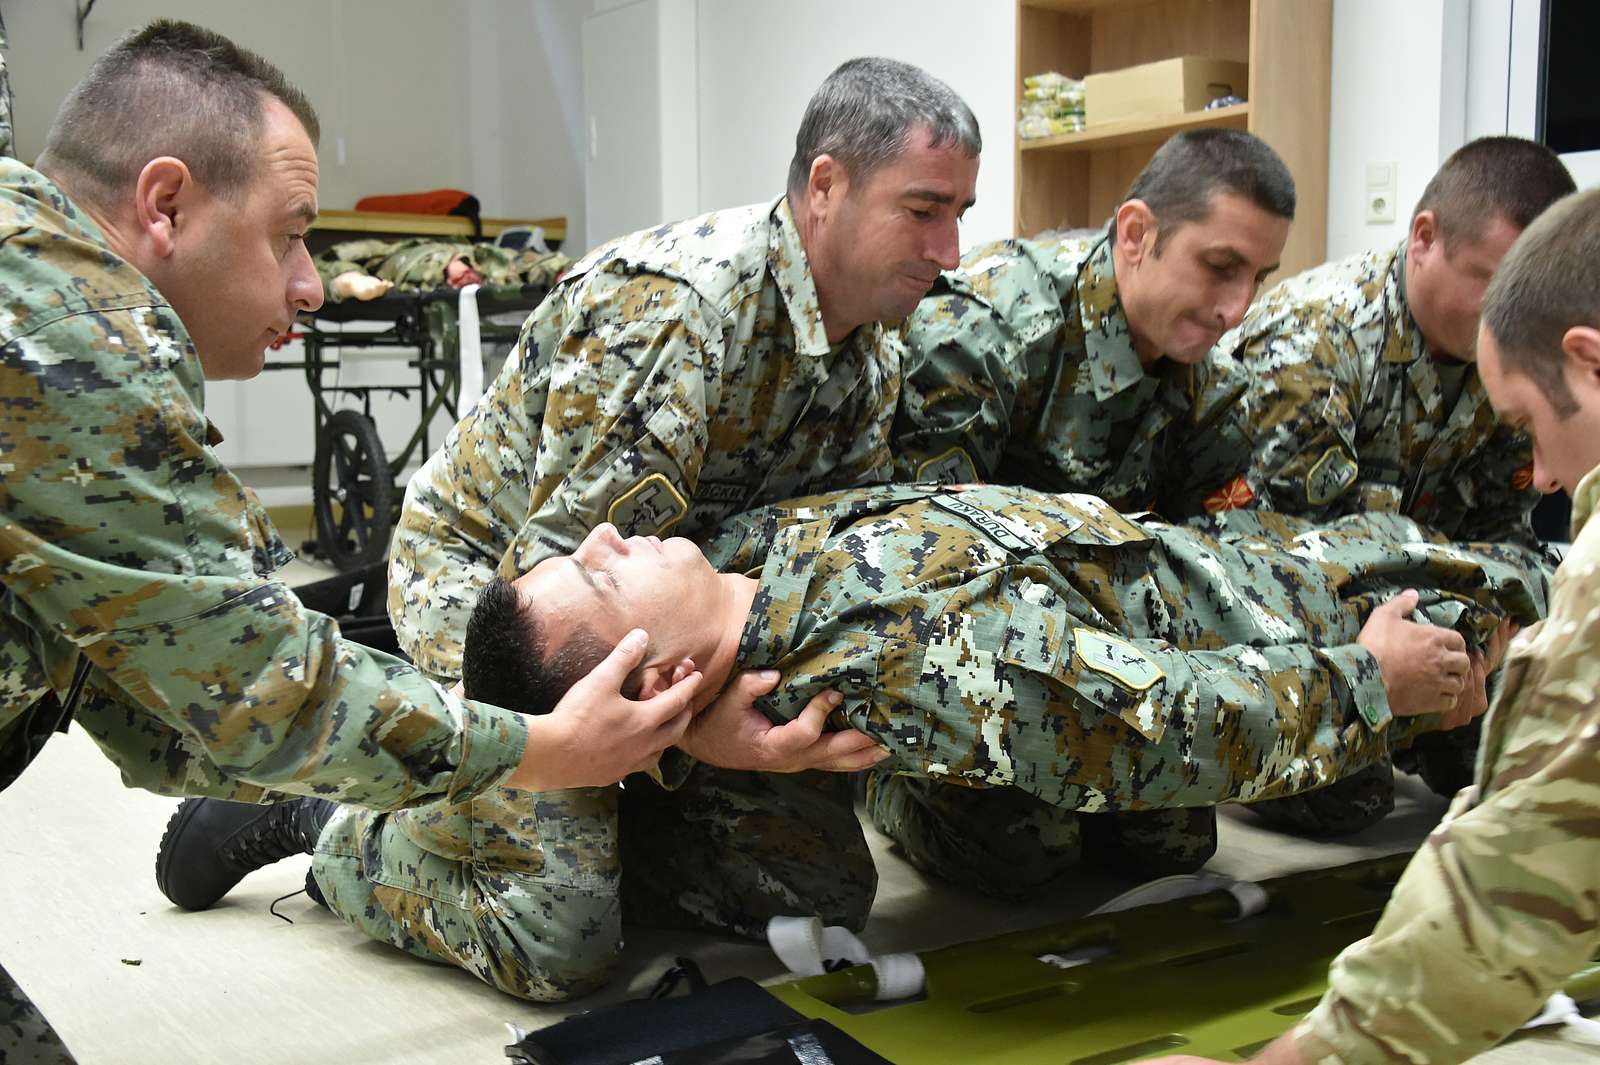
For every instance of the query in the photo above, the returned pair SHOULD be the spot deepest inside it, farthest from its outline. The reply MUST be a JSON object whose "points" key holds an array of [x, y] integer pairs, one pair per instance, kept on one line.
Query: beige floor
{"points": [[128, 979]]}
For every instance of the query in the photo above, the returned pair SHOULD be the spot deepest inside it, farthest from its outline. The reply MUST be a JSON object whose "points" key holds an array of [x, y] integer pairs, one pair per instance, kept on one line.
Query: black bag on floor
{"points": [[732, 1021]]}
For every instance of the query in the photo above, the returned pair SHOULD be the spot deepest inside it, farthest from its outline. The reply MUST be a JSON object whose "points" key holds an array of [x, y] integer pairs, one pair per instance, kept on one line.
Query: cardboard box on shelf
{"points": [[1170, 86]]}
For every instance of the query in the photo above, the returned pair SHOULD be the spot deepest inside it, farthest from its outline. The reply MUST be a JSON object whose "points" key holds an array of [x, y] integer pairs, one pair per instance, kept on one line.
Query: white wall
{"points": [[760, 61], [623, 127], [1399, 96], [695, 103], [485, 96], [523, 108], [481, 96]]}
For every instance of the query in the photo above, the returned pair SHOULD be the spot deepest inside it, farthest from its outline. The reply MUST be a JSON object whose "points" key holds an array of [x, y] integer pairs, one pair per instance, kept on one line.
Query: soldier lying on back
{"points": [[999, 635], [990, 636]]}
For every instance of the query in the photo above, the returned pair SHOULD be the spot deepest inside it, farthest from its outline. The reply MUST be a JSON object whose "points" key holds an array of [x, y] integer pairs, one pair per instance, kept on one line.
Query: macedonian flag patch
{"points": [[1234, 495], [1522, 480]]}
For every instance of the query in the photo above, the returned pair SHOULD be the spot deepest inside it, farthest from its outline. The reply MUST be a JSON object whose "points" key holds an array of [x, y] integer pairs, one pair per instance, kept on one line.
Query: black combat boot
{"points": [[211, 844]]}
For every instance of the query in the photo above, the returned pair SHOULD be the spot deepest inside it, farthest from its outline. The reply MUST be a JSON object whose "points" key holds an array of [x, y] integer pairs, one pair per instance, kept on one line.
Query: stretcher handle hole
{"points": [[1022, 998], [1133, 1051], [1226, 950]]}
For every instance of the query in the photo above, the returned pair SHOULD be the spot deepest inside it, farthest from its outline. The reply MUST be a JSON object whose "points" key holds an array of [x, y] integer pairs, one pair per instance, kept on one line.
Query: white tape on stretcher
{"points": [[808, 948], [1560, 1009]]}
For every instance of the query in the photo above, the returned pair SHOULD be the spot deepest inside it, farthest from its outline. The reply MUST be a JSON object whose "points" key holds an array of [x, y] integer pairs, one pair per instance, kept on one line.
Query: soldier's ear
{"points": [[827, 184], [1424, 232], [162, 191], [1581, 344], [1135, 230], [650, 682], [654, 678]]}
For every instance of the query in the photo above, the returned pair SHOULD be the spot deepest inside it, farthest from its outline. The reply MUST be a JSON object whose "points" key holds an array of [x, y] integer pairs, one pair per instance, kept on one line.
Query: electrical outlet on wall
{"points": [[1382, 184]]}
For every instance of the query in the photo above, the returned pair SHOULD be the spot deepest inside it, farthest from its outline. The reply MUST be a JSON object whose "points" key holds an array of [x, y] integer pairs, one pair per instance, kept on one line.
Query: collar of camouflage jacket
{"points": [[82, 273], [1585, 500], [786, 258], [1107, 341], [784, 542], [1405, 342]]}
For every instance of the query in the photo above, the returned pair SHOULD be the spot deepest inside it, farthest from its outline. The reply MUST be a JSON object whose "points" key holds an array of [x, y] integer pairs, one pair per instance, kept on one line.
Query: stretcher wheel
{"points": [[351, 492]]}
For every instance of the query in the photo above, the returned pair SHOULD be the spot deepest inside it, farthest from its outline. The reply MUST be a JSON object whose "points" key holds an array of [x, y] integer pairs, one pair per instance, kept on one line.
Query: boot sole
{"points": [[175, 824]]}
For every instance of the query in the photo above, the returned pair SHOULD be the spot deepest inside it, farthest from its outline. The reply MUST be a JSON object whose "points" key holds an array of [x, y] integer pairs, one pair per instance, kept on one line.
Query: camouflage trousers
{"points": [[1348, 805], [1008, 844], [26, 1038], [1444, 760], [528, 892]]}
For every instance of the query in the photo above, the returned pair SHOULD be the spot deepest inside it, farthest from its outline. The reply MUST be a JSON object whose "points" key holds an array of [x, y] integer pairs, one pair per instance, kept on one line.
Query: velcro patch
{"points": [[953, 467], [650, 507], [1333, 473], [1116, 658]]}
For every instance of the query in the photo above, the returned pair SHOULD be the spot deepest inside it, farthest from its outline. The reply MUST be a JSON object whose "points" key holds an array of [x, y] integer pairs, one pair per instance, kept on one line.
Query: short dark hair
{"points": [[864, 112], [1489, 178], [172, 88], [1548, 283], [506, 658], [1181, 179]]}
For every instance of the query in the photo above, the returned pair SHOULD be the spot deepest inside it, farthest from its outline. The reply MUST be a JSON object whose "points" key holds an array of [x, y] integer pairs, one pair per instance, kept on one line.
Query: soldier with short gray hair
{"points": [[672, 378]]}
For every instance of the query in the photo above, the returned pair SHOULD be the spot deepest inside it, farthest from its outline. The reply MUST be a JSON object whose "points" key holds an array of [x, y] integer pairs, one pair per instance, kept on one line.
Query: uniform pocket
{"points": [[1100, 672]]}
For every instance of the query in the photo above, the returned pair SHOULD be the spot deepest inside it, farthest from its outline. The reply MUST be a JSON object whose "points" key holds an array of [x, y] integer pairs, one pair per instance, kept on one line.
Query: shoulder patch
{"points": [[953, 467], [1116, 658], [1333, 473], [1522, 480], [650, 507]]}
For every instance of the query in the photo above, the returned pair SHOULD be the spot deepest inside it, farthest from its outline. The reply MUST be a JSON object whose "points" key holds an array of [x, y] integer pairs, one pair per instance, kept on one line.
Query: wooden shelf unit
{"points": [[1077, 179]]}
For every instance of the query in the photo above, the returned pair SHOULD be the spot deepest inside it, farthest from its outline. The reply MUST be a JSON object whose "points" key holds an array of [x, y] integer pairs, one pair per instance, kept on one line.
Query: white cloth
{"points": [[471, 354]]}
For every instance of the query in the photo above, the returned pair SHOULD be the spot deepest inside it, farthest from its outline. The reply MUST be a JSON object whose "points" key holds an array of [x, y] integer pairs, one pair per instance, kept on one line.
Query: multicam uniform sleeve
{"points": [[122, 534], [1498, 908], [599, 415]]}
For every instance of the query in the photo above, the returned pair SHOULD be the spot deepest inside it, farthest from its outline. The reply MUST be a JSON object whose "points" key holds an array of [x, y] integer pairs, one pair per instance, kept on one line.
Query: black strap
{"points": [[79, 677]]}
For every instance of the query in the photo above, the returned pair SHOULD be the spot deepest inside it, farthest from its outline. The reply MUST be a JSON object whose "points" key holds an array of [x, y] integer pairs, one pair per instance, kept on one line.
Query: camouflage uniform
{"points": [[1326, 401], [1004, 636], [7, 148], [1498, 908], [1021, 370], [419, 264], [672, 378], [26, 1038], [125, 544]]}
